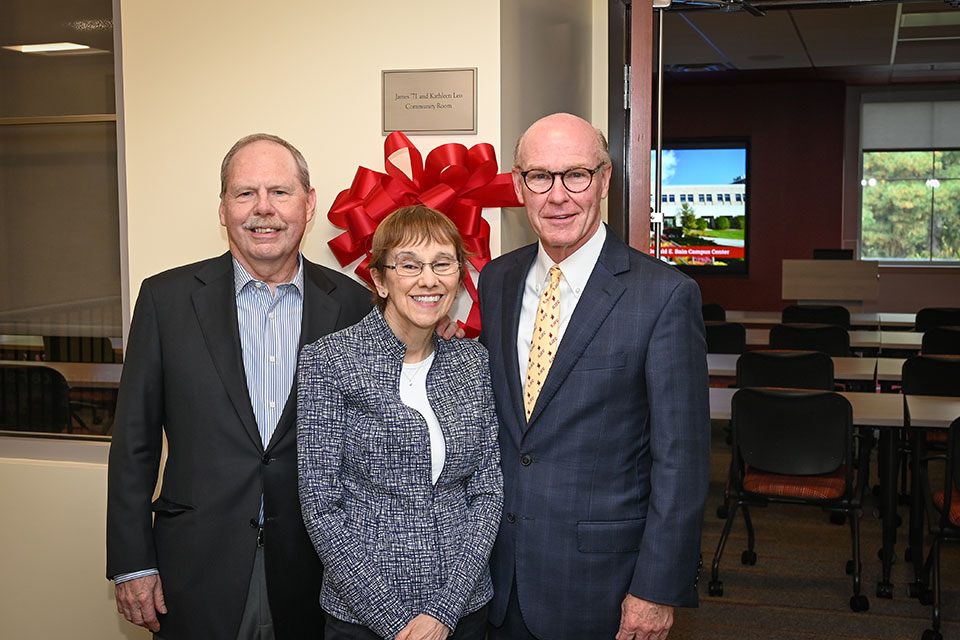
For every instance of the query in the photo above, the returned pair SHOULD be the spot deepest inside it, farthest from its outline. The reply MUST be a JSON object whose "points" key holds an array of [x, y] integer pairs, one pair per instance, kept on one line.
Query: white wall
{"points": [[553, 58], [196, 77]]}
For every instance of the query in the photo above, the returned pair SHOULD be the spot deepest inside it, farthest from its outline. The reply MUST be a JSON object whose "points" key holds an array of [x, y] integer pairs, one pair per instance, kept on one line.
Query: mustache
{"points": [[271, 222]]}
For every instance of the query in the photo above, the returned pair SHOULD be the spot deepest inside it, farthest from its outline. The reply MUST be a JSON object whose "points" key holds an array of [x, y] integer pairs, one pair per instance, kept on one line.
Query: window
{"points": [[59, 212], [739, 197], [911, 205], [726, 197], [700, 197], [672, 198], [683, 197], [663, 198], [909, 185], [710, 197]]}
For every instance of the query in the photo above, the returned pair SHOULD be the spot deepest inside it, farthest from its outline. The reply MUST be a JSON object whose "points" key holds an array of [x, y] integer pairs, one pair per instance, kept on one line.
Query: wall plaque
{"points": [[430, 101]]}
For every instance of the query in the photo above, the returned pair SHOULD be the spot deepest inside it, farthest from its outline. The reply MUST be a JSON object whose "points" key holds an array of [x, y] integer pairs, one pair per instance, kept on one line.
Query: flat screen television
{"points": [[705, 200]]}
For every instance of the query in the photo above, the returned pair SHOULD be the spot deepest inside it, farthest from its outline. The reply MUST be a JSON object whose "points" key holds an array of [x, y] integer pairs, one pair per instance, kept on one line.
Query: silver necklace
{"points": [[414, 368]]}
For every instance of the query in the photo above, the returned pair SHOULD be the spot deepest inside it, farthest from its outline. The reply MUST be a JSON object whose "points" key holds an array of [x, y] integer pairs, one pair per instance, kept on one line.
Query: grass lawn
{"points": [[721, 233]]}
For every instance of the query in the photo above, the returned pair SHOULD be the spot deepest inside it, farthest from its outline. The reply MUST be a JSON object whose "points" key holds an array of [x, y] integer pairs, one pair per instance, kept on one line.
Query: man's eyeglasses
{"points": [[412, 268], [574, 180]]}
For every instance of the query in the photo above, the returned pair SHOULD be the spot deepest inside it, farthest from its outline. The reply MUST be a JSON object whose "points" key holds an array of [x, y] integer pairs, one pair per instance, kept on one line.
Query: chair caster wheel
{"points": [[723, 511], [925, 597], [930, 634], [885, 590], [913, 590], [859, 603], [893, 556], [715, 588], [838, 518], [748, 558], [849, 567]]}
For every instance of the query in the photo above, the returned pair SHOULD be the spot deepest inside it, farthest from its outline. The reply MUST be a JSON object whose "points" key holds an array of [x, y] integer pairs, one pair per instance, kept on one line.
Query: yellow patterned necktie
{"points": [[545, 340]]}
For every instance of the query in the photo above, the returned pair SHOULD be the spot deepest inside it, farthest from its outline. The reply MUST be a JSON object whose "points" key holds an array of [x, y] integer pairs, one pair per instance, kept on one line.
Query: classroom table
{"points": [[885, 411], [78, 374], [844, 368], [923, 414], [879, 320], [859, 339]]}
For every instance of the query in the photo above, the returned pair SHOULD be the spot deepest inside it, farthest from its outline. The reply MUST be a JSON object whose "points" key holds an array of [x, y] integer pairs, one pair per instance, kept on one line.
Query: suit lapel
{"points": [[512, 301], [598, 299], [321, 313], [215, 304]]}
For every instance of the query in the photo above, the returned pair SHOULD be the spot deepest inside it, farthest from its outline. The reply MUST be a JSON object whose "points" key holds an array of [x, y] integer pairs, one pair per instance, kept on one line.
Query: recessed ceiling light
{"points": [[48, 47]]}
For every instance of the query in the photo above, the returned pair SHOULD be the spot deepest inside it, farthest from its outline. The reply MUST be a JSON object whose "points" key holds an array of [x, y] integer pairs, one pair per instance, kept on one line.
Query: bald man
{"points": [[598, 358]]}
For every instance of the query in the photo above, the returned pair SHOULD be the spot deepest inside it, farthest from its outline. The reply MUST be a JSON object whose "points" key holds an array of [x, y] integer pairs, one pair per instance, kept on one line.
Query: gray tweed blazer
{"points": [[394, 545]]}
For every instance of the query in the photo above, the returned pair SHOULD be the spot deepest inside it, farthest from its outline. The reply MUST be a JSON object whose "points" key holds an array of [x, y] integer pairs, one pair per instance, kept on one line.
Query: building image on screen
{"points": [[704, 200]]}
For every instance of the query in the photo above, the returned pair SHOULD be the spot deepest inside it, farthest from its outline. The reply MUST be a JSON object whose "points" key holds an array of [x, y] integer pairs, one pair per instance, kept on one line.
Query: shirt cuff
{"points": [[124, 577]]}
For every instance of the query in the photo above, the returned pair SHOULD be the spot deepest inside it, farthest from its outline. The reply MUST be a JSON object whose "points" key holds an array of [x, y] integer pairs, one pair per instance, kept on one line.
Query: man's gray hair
{"points": [[303, 172]]}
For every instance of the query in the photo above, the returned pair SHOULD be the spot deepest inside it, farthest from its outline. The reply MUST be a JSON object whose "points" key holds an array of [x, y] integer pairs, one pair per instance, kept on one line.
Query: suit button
{"points": [[526, 460], [511, 518], [267, 459]]}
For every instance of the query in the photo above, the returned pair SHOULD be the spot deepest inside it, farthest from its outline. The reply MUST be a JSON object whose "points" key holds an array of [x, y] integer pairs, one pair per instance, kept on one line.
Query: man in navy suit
{"points": [[606, 471]]}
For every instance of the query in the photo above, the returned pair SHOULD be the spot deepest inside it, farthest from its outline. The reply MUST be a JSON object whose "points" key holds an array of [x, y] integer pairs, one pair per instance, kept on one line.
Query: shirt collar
{"points": [[578, 266], [242, 278]]}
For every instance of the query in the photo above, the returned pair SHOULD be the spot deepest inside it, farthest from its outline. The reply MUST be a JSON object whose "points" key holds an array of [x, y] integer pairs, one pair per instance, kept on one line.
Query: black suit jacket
{"points": [[604, 486], [184, 377]]}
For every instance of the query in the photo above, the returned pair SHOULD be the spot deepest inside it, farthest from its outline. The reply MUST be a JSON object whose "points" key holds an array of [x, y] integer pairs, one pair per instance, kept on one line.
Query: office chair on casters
{"points": [[725, 337], [831, 339], [792, 369], [930, 317], [943, 340], [943, 508], [816, 313], [713, 312], [793, 446], [785, 369], [34, 399]]}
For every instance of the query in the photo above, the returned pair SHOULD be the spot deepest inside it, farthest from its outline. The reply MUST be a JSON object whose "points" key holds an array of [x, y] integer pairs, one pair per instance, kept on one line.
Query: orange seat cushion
{"points": [[825, 486], [954, 505]]}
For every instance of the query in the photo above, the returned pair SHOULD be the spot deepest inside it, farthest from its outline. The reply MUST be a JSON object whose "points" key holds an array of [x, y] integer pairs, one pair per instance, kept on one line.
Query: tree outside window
{"points": [[911, 205]]}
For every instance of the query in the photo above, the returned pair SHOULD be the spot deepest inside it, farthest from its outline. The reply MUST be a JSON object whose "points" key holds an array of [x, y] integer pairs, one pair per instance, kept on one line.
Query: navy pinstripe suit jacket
{"points": [[604, 487], [393, 544]]}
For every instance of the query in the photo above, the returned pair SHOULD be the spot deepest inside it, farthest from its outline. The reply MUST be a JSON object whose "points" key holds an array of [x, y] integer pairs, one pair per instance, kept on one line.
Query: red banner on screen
{"points": [[669, 251]]}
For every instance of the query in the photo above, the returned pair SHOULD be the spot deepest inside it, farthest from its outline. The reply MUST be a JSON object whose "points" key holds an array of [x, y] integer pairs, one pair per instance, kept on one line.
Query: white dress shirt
{"points": [[576, 270]]}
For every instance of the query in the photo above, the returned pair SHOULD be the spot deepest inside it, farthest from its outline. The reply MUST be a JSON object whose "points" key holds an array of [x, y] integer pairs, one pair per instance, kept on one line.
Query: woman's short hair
{"points": [[411, 226]]}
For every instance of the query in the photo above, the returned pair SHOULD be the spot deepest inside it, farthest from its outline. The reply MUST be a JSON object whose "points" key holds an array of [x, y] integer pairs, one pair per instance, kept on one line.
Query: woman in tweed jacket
{"points": [[399, 466]]}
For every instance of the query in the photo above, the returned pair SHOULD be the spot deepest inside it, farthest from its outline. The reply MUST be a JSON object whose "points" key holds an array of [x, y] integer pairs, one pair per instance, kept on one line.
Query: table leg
{"points": [[916, 509], [887, 469]]}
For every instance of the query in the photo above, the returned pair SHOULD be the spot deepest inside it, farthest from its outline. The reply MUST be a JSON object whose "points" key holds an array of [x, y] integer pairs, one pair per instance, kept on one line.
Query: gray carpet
{"points": [[798, 588]]}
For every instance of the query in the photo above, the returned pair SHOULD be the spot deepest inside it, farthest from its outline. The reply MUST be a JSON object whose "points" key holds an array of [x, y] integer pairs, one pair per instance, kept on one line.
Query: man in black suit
{"points": [[210, 363], [598, 362]]}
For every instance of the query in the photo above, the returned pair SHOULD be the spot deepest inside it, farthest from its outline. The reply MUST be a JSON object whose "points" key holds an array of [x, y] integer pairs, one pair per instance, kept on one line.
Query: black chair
{"points": [[931, 375], [34, 399], [943, 507], [817, 313], [713, 312], [941, 340], [931, 317], [725, 337], [831, 339], [793, 446], [785, 369]]}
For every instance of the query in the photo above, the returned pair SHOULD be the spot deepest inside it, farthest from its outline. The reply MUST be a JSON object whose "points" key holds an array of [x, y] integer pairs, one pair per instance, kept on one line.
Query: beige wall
{"points": [[553, 58], [197, 76]]}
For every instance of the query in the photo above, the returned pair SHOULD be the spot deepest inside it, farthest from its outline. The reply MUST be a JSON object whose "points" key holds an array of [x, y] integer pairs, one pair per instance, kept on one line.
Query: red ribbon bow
{"points": [[456, 181]]}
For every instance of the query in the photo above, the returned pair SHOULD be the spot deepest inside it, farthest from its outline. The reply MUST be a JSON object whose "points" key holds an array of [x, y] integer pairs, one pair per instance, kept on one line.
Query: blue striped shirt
{"points": [[269, 339], [269, 336]]}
